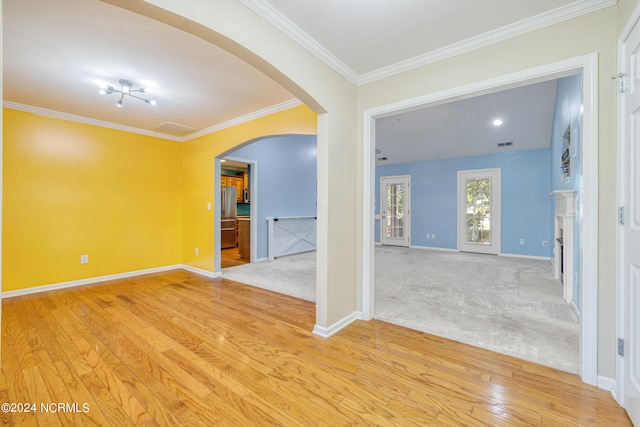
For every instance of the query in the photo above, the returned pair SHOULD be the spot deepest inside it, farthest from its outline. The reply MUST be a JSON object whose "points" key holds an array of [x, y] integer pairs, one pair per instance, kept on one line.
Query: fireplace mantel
{"points": [[563, 249], [565, 202]]}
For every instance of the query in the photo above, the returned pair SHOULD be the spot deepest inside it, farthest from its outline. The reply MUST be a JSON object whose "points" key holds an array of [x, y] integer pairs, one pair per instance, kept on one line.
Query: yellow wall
{"points": [[199, 184], [71, 189]]}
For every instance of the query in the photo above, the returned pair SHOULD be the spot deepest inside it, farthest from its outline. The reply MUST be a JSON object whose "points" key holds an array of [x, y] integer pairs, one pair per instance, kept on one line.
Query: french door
{"points": [[629, 227], [395, 211], [479, 211]]}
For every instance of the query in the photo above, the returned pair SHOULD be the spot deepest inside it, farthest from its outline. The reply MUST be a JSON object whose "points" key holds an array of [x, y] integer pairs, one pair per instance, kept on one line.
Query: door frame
{"points": [[619, 389], [253, 210], [496, 208], [407, 207], [588, 65]]}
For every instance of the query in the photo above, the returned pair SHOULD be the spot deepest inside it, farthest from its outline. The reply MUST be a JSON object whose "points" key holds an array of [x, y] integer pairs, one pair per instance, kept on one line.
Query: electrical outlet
{"points": [[544, 243], [522, 242], [428, 236], [84, 259], [208, 206], [433, 236], [197, 251]]}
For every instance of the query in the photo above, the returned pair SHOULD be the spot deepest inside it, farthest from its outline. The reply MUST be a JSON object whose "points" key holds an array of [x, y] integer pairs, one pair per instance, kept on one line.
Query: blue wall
{"points": [[526, 208], [568, 114], [286, 175]]}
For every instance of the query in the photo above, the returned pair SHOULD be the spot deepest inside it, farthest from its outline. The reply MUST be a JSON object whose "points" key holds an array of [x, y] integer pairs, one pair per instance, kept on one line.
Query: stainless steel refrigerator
{"points": [[228, 214]]}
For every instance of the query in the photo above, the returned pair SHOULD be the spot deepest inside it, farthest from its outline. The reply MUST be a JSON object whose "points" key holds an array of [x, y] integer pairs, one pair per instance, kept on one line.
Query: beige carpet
{"points": [[509, 305]]}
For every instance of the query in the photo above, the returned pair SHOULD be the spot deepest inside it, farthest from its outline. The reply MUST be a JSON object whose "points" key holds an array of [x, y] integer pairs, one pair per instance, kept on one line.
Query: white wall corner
{"points": [[326, 332]]}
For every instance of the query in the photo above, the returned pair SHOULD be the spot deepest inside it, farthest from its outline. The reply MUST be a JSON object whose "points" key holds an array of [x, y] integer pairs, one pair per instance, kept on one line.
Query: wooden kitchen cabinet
{"points": [[235, 181], [244, 238]]}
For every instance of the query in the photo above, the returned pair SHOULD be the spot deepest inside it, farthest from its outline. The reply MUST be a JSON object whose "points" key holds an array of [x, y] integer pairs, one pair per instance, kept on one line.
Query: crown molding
{"points": [[282, 23], [246, 118], [85, 120], [564, 13], [215, 128]]}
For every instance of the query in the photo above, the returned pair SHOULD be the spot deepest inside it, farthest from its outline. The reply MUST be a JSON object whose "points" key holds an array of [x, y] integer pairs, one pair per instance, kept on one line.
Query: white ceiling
{"points": [[56, 54], [465, 128], [367, 40]]}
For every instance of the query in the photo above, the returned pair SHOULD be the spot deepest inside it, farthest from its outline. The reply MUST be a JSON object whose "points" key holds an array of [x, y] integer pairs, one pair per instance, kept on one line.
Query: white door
{"points": [[479, 211], [629, 231], [395, 212]]}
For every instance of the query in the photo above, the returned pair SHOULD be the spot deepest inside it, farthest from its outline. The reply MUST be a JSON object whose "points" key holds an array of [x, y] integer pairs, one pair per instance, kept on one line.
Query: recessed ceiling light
{"points": [[497, 122]]}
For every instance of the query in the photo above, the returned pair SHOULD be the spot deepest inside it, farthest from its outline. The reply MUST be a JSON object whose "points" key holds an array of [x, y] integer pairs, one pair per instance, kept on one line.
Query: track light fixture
{"points": [[126, 89]]}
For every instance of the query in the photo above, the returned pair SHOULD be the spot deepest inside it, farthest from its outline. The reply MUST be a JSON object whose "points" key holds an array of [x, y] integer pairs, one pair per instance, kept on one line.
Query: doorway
{"points": [[395, 211], [282, 183], [226, 165], [586, 64], [479, 211], [235, 232]]}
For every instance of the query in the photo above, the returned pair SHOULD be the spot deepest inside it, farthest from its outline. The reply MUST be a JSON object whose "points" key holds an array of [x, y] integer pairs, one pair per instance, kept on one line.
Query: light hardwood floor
{"points": [[231, 258], [179, 349]]}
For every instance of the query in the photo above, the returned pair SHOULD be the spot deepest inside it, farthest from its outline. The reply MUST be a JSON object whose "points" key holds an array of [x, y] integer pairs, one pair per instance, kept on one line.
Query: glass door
{"points": [[479, 211], [395, 218]]}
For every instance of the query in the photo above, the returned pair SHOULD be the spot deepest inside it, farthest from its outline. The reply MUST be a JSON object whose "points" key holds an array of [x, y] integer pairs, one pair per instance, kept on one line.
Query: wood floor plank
{"points": [[79, 393], [113, 410], [176, 348], [130, 349], [57, 390], [148, 389], [39, 394], [89, 346]]}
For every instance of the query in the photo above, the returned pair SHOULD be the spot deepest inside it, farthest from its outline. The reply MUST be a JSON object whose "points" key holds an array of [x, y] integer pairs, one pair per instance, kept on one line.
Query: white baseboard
{"points": [[326, 332], [200, 271], [608, 384], [87, 281], [540, 258], [433, 248]]}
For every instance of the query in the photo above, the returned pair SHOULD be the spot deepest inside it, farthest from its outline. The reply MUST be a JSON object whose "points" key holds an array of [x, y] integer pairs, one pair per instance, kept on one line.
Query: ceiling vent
{"points": [[174, 129], [505, 144]]}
